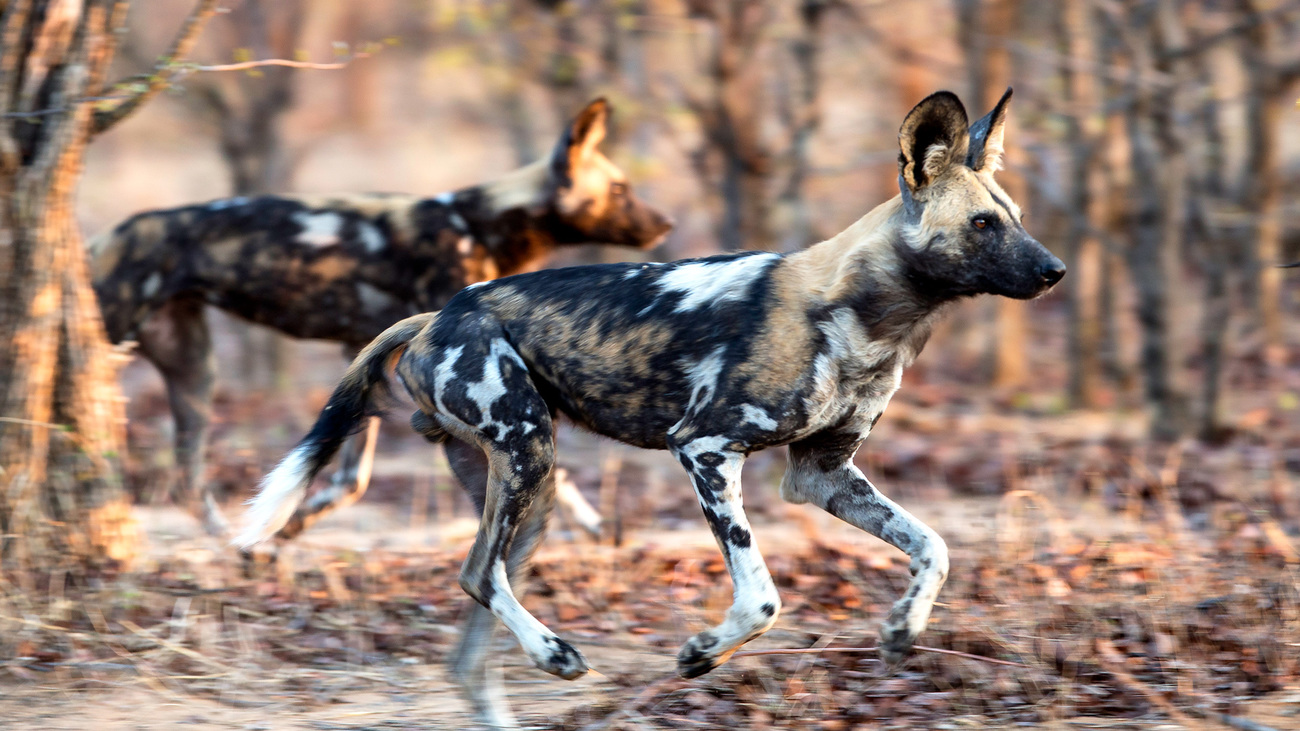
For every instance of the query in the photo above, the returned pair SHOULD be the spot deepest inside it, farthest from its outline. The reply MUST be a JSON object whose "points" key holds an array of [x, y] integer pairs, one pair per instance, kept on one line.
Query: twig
{"points": [[245, 65], [163, 71], [918, 648], [167, 644], [29, 422]]}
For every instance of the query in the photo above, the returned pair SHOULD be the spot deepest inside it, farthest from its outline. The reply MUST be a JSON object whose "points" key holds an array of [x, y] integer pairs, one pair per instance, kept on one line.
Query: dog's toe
{"points": [[563, 659], [698, 656], [895, 644]]}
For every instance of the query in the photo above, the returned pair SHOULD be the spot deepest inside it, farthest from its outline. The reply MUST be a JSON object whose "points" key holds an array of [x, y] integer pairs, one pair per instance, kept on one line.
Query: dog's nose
{"points": [[1053, 272]]}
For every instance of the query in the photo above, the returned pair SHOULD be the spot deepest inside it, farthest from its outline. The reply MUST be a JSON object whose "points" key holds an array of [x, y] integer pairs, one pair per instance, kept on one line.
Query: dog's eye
{"points": [[618, 189], [980, 223]]}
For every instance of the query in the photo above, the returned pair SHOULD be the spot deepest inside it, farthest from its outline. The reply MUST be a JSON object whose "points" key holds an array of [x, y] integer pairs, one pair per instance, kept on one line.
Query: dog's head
{"points": [[591, 195], [962, 232]]}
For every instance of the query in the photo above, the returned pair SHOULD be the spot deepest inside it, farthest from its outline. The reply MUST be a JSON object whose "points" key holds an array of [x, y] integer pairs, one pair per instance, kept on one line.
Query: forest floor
{"points": [[1098, 582]]}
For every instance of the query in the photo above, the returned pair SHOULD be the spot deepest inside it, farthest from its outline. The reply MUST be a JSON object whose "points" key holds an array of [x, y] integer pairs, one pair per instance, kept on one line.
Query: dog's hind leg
{"points": [[829, 480], [176, 340], [714, 468], [468, 664], [347, 485]]}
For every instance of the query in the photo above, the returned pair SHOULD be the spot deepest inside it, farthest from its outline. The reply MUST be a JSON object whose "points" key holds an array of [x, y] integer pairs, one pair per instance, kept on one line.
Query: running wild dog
{"points": [[343, 269], [712, 359]]}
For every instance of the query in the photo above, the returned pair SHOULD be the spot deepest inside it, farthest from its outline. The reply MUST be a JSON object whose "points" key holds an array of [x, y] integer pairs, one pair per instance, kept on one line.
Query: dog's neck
{"points": [[510, 218], [866, 268]]}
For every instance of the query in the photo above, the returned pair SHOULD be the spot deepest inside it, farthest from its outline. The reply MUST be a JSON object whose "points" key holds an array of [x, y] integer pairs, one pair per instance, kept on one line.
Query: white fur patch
{"points": [[757, 417], [151, 285], [458, 222], [533, 636], [319, 229], [277, 497], [371, 238], [703, 377], [707, 283], [445, 198], [489, 390], [443, 374]]}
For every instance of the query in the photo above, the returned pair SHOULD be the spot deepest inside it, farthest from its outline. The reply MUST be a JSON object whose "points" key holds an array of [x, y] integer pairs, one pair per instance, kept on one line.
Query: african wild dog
{"points": [[712, 359], [343, 269]]}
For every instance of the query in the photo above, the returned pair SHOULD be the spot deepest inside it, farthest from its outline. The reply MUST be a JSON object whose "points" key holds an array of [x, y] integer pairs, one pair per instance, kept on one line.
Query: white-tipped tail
{"points": [[277, 497]]}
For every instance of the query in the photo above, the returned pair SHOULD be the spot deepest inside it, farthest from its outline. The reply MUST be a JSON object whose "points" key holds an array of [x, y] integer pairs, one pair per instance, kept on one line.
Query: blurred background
{"points": [[1113, 464], [1152, 145]]}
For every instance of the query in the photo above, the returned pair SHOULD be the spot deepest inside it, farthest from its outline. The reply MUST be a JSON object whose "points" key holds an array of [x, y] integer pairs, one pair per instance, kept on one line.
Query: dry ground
{"points": [[1116, 584]]}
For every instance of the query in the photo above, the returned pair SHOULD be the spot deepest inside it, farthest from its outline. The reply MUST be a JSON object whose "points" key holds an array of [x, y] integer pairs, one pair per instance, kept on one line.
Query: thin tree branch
{"points": [[163, 72], [181, 69], [244, 66]]}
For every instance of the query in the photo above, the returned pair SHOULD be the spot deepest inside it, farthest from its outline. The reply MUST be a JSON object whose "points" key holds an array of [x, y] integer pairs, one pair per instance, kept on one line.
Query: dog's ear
{"points": [[579, 140], [932, 139], [986, 138]]}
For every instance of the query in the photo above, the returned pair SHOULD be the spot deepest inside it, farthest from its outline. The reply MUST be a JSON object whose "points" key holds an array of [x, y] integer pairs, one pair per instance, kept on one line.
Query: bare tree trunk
{"points": [[1215, 245], [732, 120], [1082, 252], [988, 26], [1261, 186], [1159, 204], [61, 412], [802, 115], [1116, 181]]}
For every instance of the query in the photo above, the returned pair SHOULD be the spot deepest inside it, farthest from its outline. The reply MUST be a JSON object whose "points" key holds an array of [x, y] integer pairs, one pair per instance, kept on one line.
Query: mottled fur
{"points": [[343, 268], [712, 359]]}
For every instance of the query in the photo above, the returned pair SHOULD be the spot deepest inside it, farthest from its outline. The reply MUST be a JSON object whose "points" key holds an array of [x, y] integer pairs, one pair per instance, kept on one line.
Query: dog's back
{"points": [[341, 268]]}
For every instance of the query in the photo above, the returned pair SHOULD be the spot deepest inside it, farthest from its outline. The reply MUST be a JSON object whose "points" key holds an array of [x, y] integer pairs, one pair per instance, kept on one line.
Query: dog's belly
{"points": [[640, 418], [342, 311]]}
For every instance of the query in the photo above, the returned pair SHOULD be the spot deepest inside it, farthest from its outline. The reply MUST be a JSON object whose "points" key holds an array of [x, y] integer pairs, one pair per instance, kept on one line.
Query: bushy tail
{"points": [[357, 397]]}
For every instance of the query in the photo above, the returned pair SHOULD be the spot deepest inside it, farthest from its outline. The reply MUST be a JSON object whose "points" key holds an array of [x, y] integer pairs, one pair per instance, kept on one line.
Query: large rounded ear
{"points": [[932, 139], [579, 140], [986, 137]]}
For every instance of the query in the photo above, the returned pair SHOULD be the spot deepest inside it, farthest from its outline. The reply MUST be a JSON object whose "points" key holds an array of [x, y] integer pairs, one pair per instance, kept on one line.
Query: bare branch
{"points": [[246, 65], [163, 72], [179, 70]]}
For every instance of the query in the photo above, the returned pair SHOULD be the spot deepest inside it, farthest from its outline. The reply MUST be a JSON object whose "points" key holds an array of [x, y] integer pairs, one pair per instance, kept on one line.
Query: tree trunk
{"points": [[1082, 250], [802, 114], [1215, 245], [988, 27], [732, 121], [61, 412], [1158, 217], [1261, 187]]}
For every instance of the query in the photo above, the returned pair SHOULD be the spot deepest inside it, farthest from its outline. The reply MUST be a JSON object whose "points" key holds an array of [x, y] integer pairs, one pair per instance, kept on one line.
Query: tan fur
{"points": [[591, 185], [522, 188], [105, 254]]}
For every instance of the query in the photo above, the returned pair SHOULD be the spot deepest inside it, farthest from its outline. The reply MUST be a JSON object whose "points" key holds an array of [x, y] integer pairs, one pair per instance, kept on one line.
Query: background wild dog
{"points": [[712, 359], [343, 269]]}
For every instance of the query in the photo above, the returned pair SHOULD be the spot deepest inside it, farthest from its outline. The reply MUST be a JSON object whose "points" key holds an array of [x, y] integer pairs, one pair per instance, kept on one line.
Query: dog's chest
{"points": [[853, 379]]}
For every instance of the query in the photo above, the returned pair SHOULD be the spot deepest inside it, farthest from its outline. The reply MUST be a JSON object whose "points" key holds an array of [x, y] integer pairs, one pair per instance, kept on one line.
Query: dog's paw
{"points": [[562, 659], [895, 644], [699, 655]]}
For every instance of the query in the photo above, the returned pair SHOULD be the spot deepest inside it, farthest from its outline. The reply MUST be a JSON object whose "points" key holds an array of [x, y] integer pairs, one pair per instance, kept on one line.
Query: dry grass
{"points": [[1131, 631]]}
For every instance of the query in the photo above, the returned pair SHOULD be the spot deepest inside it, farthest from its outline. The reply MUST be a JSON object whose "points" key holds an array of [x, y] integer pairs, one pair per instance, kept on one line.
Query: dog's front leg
{"points": [[832, 482], [715, 473]]}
